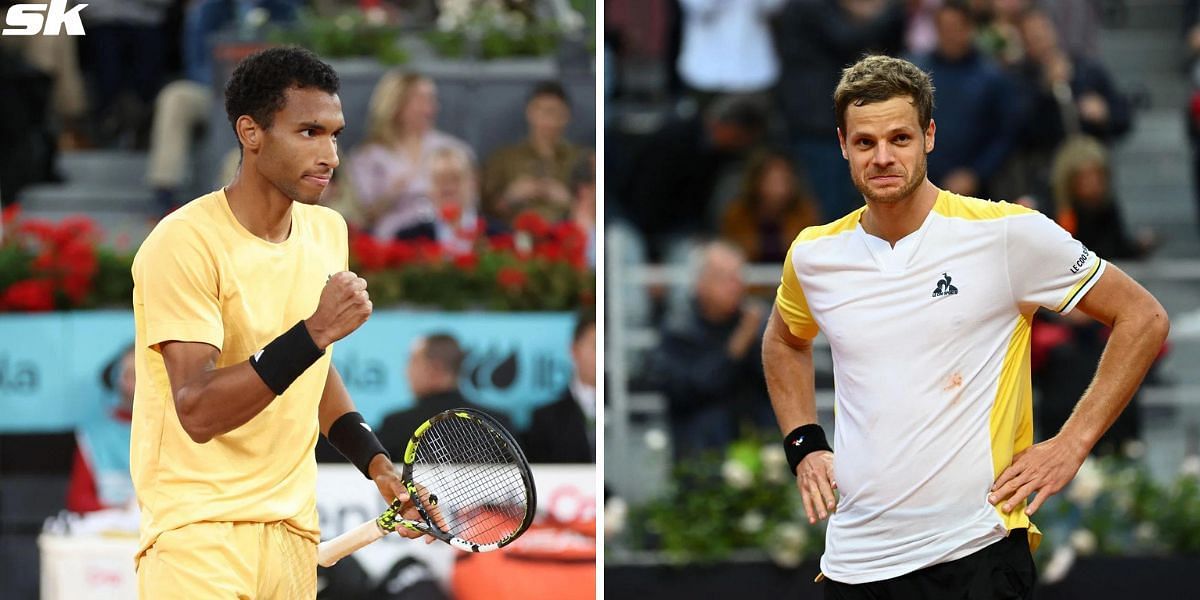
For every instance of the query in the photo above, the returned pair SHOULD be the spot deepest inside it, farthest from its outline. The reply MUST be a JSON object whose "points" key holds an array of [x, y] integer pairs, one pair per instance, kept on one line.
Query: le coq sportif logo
{"points": [[944, 288]]}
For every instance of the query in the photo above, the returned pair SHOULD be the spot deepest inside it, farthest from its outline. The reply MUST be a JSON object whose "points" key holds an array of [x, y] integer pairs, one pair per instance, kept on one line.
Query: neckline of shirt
{"points": [[893, 259], [246, 233]]}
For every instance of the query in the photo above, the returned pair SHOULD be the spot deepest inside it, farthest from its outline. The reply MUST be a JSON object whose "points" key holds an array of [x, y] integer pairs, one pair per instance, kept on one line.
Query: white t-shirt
{"points": [[727, 46], [930, 343]]}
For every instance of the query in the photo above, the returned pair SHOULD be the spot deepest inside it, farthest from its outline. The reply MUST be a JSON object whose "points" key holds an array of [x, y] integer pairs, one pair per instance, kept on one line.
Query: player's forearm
{"points": [[218, 401], [335, 401], [788, 366], [1137, 338]]}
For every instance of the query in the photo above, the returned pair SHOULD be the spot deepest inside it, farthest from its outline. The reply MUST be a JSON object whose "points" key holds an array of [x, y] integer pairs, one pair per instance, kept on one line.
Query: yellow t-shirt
{"points": [[202, 277]]}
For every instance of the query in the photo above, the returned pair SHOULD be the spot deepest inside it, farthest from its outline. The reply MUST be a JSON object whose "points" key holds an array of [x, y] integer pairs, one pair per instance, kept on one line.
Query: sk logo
{"points": [[27, 19], [944, 288]]}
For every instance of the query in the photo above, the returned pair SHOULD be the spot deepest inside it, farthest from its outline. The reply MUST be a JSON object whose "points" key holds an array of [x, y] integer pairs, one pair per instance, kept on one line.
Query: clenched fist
{"points": [[344, 306]]}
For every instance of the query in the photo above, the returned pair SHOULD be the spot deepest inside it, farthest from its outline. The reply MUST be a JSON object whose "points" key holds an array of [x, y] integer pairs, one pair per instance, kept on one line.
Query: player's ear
{"points": [[929, 131], [842, 143], [249, 133]]}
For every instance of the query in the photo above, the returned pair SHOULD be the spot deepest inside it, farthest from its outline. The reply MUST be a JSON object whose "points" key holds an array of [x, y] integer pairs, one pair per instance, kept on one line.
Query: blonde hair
{"points": [[1074, 154], [391, 94]]}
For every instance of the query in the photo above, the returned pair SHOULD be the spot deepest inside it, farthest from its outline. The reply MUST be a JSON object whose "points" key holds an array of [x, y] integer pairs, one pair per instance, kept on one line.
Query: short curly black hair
{"points": [[259, 82]]}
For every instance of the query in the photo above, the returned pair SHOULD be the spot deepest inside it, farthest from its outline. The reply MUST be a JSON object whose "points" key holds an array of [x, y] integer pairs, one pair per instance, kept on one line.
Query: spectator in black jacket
{"points": [[974, 110], [708, 362], [1066, 95], [817, 39], [564, 431], [433, 367]]}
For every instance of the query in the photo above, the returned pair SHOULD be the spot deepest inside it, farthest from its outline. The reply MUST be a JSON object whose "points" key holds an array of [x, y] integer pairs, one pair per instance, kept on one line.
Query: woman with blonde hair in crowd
{"points": [[770, 210], [1081, 179], [391, 170]]}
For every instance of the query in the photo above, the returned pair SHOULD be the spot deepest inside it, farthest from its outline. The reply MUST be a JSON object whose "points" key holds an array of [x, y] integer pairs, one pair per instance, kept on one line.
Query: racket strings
{"points": [[474, 474]]}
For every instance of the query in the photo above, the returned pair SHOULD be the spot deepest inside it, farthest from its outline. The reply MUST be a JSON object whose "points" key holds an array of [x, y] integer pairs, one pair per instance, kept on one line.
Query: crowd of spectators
{"points": [[746, 153], [142, 79]]}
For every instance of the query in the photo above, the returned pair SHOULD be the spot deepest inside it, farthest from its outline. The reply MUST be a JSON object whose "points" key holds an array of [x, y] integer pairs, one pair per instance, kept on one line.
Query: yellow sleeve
{"points": [[344, 242], [177, 274], [791, 303]]}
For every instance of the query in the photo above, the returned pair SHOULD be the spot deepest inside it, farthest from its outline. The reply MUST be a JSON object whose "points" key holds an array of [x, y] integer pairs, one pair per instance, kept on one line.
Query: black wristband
{"points": [[803, 441], [351, 435], [286, 358]]}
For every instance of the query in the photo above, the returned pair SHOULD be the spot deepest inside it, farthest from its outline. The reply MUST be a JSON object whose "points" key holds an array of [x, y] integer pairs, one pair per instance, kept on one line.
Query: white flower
{"points": [[1059, 565], [615, 512], [375, 15], [1190, 467], [736, 475], [774, 463], [655, 440], [1088, 483], [572, 21], [447, 22], [786, 545], [788, 559], [1134, 449], [453, 14], [1083, 541], [1145, 532], [751, 522], [257, 17]]}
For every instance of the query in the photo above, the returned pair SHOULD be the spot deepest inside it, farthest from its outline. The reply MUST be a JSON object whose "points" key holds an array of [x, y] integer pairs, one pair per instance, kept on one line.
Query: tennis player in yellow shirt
{"points": [[238, 298]]}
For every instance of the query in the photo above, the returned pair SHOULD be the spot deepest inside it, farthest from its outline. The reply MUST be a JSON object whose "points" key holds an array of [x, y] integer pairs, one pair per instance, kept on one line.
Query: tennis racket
{"points": [[468, 479]]}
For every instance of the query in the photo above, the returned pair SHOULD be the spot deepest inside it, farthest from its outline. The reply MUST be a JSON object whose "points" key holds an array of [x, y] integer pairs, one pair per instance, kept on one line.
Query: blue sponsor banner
{"points": [[50, 364]]}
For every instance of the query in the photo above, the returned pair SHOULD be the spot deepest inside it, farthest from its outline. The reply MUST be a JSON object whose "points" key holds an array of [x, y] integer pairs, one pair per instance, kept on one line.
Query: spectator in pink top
{"points": [[391, 171]]}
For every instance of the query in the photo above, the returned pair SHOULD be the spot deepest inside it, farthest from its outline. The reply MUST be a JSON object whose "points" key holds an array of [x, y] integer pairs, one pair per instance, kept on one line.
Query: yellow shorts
{"points": [[250, 561]]}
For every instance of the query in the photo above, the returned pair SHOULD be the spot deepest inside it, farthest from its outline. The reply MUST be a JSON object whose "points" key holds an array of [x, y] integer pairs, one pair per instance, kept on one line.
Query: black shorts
{"points": [[1002, 571]]}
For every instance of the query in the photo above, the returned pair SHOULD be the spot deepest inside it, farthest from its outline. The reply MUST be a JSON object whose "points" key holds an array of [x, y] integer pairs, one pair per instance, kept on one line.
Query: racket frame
{"points": [[391, 518], [429, 526]]}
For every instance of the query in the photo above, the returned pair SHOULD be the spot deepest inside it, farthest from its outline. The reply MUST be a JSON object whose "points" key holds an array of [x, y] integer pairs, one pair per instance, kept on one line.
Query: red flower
{"points": [[550, 252], [29, 295], [41, 230], [77, 257], [368, 252], [428, 250], [571, 235], [77, 287], [44, 261], [578, 261], [502, 242], [467, 261], [451, 212], [75, 229], [511, 278], [10, 214], [532, 223], [400, 253]]}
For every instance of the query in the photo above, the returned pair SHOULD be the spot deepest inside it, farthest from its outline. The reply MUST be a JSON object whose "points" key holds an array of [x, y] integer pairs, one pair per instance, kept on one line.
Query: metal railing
{"points": [[622, 341]]}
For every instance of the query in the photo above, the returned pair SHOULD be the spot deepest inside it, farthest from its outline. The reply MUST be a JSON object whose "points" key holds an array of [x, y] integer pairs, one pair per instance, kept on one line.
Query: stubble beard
{"points": [[893, 197]]}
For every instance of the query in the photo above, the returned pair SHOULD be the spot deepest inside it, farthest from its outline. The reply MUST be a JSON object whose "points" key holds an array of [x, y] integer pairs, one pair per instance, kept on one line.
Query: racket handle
{"points": [[331, 551]]}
